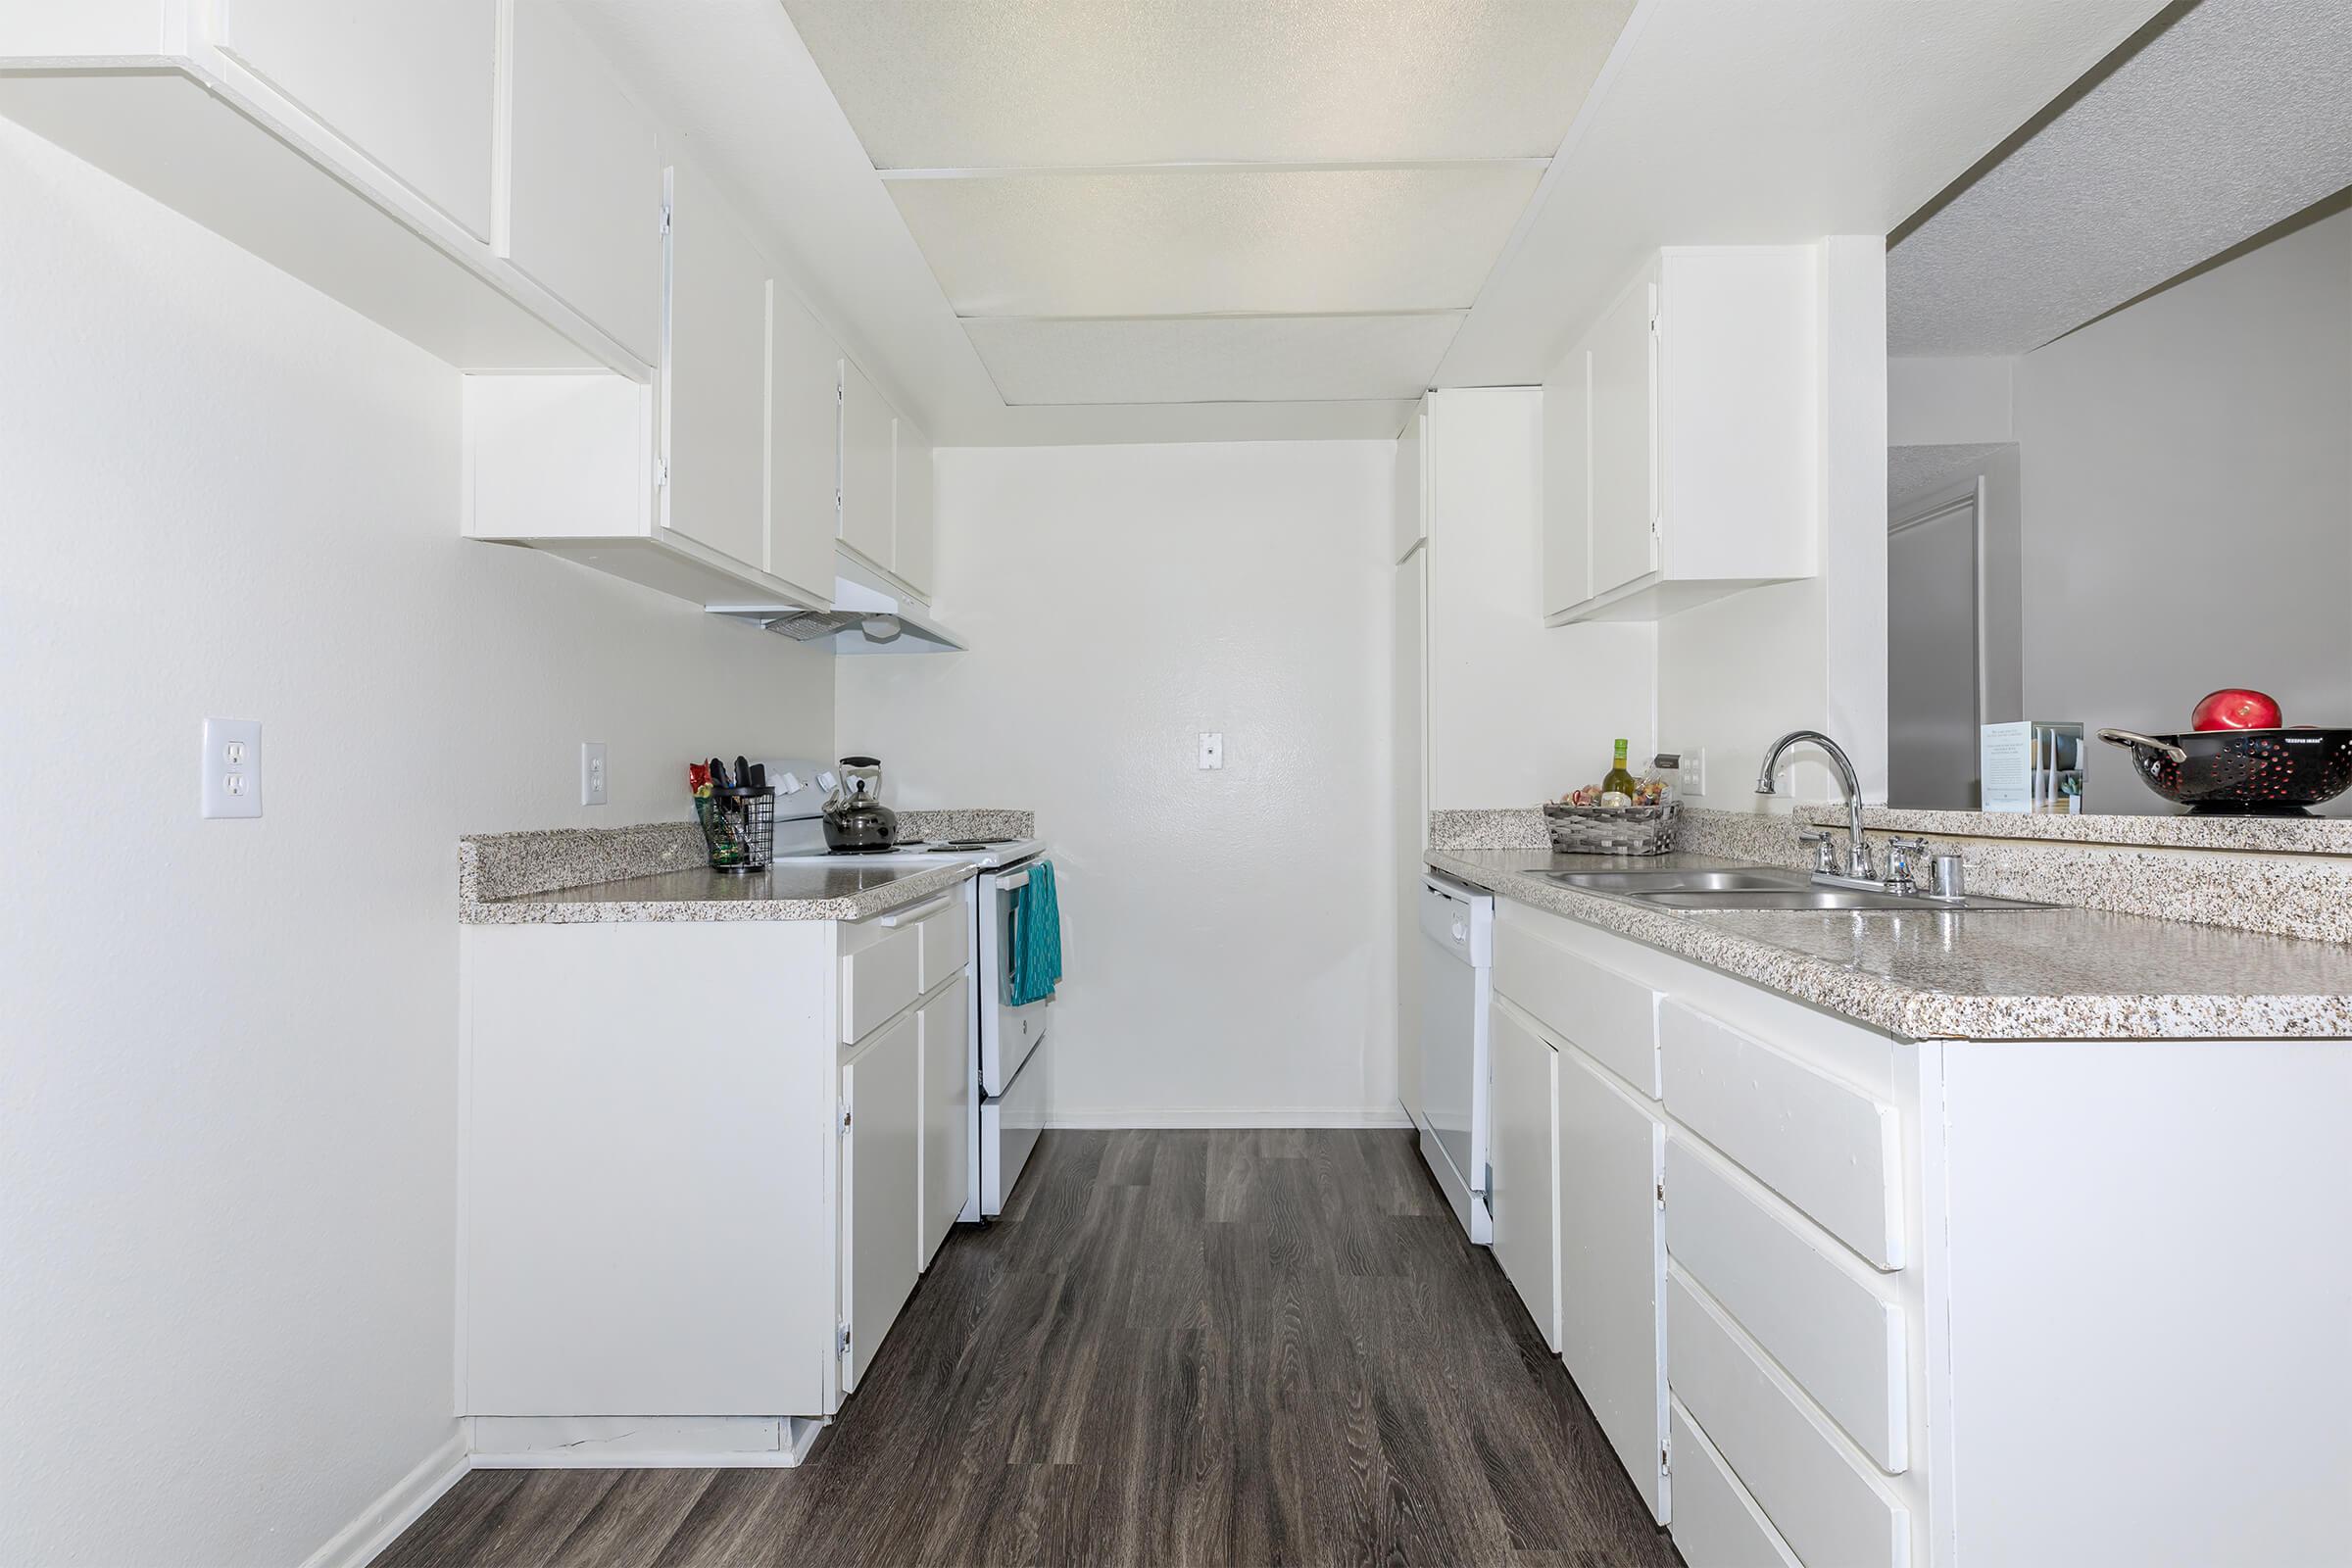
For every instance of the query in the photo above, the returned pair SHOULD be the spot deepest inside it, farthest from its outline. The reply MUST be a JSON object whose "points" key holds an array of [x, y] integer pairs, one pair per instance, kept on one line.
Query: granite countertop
{"points": [[2050, 974], [798, 891]]}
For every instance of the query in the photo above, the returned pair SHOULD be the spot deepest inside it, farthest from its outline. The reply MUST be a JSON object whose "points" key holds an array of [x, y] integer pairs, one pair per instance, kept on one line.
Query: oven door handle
{"points": [[928, 907], [1007, 884]]}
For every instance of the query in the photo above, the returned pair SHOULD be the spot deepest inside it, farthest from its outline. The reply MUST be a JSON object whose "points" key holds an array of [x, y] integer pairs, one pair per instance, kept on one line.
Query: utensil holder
{"points": [[1612, 830], [739, 827]]}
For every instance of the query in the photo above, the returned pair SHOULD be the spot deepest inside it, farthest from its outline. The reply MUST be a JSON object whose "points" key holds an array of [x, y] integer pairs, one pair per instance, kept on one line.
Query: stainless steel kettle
{"points": [[855, 817]]}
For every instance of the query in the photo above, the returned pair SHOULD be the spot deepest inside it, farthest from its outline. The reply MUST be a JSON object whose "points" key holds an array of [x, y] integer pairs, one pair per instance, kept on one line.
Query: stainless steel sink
{"points": [[1667, 879], [1762, 887], [1825, 898]]}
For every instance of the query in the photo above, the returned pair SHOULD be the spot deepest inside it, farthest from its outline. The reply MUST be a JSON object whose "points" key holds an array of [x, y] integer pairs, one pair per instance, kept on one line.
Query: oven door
{"points": [[1008, 1034]]}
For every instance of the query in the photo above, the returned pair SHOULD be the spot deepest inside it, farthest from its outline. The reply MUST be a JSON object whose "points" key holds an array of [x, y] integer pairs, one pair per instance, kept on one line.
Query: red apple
{"points": [[2235, 708]]}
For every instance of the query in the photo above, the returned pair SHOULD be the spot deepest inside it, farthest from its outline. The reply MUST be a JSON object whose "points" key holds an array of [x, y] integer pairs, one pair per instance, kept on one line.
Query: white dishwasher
{"points": [[1458, 1001]]}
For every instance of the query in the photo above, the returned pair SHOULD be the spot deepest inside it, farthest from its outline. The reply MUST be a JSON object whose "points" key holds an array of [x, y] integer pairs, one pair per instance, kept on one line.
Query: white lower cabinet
{"points": [[1716, 1523], [693, 1208], [1613, 1263], [881, 1193], [1523, 1183], [946, 1021], [1821, 1495]]}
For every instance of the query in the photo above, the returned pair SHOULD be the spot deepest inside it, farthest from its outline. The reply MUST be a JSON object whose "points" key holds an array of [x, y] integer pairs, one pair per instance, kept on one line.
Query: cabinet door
{"points": [[910, 510], [866, 461], [715, 376], [1613, 1265], [583, 183], [1524, 1190], [881, 1151], [946, 1029], [1567, 483], [803, 449], [409, 85], [1410, 794], [1624, 441]]}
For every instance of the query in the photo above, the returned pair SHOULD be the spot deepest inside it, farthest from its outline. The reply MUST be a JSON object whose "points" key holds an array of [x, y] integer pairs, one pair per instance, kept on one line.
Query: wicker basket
{"points": [[1612, 830]]}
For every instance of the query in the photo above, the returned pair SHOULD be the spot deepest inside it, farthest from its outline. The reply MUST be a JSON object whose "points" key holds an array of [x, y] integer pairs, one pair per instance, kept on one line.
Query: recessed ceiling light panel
{"points": [[1176, 242], [1213, 358], [978, 84]]}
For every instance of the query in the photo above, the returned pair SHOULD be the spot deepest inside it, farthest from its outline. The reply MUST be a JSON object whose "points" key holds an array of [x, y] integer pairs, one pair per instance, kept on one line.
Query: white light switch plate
{"points": [[592, 773], [232, 767], [1212, 749]]}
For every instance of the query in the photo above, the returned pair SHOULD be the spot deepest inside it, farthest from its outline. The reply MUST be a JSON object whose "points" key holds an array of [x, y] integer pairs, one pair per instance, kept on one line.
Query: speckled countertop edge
{"points": [[612, 906], [1910, 1011], [2261, 835]]}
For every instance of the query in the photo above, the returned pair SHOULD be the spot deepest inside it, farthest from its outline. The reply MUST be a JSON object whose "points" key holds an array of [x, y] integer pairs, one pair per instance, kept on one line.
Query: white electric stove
{"points": [[1010, 1064]]}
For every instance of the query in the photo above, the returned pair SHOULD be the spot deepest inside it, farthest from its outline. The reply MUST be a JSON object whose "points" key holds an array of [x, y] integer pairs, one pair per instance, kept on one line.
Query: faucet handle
{"points": [[1824, 848], [1906, 859]]}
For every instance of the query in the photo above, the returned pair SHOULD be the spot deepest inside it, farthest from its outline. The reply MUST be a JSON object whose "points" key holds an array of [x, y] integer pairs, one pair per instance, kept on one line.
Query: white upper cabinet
{"points": [[804, 447], [408, 85], [714, 378], [911, 523], [1682, 447], [1621, 449], [581, 182], [867, 467]]}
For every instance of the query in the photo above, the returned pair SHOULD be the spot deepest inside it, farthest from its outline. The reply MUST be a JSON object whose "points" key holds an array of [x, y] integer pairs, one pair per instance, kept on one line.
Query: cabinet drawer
{"points": [[1716, 1523], [1781, 1283], [1611, 1018], [1820, 1496], [1825, 1146], [945, 939], [878, 978]]}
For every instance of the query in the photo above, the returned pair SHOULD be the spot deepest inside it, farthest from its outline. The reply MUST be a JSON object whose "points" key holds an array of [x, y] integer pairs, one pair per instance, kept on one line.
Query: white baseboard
{"points": [[1164, 1117], [642, 1443], [358, 1543]]}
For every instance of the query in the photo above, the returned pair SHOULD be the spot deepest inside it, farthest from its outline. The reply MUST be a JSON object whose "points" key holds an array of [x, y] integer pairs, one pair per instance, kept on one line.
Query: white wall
{"points": [[2187, 489], [1519, 712], [227, 1049], [1948, 400], [1227, 934]]}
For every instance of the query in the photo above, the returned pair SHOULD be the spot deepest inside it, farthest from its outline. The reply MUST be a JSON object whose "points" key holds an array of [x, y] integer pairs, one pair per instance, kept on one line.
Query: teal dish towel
{"points": [[1036, 937]]}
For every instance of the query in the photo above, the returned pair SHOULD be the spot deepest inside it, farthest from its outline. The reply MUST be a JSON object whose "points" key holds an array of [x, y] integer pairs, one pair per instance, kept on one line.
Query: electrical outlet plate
{"points": [[1212, 749], [1694, 772], [232, 767], [592, 773]]}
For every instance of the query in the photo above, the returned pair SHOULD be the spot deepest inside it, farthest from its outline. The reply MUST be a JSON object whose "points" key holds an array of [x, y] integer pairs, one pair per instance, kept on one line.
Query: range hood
{"points": [[868, 617]]}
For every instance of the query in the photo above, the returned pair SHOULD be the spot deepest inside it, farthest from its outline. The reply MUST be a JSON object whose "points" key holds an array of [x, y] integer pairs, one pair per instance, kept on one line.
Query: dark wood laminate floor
{"points": [[1227, 1347]]}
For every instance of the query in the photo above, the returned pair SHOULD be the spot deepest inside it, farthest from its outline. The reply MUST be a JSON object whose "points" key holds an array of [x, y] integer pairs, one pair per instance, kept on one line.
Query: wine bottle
{"points": [[1618, 781]]}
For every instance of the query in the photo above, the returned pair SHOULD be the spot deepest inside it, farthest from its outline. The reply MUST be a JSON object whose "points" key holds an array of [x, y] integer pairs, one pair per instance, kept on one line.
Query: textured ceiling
{"points": [[2237, 116], [1913, 473], [996, 83]]}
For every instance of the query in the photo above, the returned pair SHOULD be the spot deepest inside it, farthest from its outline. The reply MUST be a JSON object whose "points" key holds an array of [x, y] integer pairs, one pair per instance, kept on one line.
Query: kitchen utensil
{"points": [[856, 819], [718, 773], [2243, 773], [739, 826]]}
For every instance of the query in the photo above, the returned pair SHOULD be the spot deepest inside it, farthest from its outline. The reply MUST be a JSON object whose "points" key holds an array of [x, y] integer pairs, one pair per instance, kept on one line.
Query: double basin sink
{"points": [[1763, 888]]}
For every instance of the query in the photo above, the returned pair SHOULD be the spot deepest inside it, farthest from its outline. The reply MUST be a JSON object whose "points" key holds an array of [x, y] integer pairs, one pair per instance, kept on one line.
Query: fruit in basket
{"points": [[2235, 707]]}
